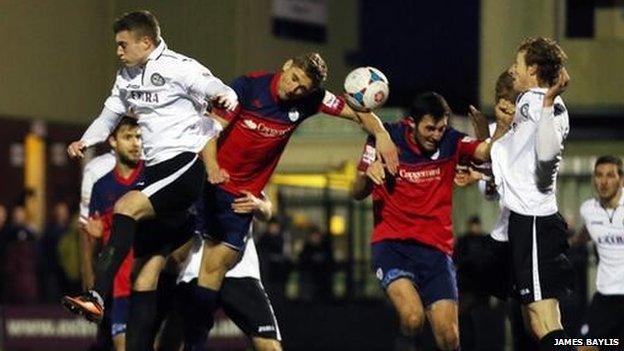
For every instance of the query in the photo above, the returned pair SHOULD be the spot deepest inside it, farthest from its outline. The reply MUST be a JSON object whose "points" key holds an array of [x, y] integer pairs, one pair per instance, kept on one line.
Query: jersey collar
{"points": [[131, 178], [539, 90], [158, 51]]}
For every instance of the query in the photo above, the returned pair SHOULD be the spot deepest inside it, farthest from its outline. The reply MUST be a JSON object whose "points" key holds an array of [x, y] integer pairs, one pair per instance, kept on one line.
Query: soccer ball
{"points": [[366, 88]]}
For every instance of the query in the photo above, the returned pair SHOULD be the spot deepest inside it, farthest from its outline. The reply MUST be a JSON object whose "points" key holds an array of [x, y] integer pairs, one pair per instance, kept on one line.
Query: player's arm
{"points": [[549, 134], [580, 238], [370, 173], [216, 174], [201, 82], [248, 203], [504, 112], [98, 131], [374, 127]]}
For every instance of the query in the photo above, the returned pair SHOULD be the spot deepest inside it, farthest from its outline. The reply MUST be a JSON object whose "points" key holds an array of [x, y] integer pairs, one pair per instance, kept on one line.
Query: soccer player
{"points": [[604, 224], [272, 106], [125, 141], [525, 164], [168, 92], [412, 238], [242, 295]]}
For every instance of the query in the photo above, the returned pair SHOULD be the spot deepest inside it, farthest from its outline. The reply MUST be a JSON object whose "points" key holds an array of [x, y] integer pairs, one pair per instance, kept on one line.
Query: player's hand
{"points": [[376, 172], [504, 112], [226, 101], [558, 88], [217, 175], [247, 203], [479, 123], [94, 227], [388, 151], [75, 149]]}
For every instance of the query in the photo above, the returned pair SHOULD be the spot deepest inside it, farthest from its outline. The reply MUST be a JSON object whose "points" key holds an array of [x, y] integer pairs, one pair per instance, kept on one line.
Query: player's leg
{"points": [[408, 305], [442, 316], [541, 272], [143, 302], [119, 322], [438, 290], [246, 303]]}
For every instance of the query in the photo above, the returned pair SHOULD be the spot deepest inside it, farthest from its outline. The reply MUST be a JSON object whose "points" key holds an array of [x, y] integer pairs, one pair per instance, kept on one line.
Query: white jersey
{"points": [[514, 158], [606, 228], [247, 267], [169, 95], [93, 171]]}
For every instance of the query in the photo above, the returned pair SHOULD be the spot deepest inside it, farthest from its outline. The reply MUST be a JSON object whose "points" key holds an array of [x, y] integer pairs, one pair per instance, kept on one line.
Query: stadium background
{"points": [[58, 64]]}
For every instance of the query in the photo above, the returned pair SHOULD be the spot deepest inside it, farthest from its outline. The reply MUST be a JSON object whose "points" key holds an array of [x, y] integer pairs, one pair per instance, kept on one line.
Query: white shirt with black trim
{"points": [[606, 228], [169, 95], [247, 267], [526, 186], [94, 170]]}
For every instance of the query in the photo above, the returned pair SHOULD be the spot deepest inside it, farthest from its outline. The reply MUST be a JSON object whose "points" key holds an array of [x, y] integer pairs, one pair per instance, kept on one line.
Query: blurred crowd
{"points": [[39, 266]]}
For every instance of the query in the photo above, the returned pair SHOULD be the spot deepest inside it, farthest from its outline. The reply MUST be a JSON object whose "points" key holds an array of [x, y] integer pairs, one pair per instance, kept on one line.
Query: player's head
{"points": [[137, 34], [301, 76], [505, 88], [430, 115], [608, 176], [538, 62], [126, 141]]}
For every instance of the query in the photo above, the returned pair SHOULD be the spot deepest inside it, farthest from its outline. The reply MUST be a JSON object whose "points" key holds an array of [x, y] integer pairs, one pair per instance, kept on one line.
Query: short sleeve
{"points": [[466, 146], [331, 104], [95, 205]]}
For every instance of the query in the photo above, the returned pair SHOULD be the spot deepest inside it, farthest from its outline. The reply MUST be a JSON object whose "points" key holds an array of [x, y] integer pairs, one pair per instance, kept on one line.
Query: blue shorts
{"points": [[218, 222], [119, 315], [431, 270]]}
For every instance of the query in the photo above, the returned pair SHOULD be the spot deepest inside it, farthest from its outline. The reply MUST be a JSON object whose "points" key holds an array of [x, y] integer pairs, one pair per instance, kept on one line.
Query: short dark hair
{"points": [[613, 160], [429, 103], [124, 121], [547, 55], [505, 88], [314, 66], [142, 23]]}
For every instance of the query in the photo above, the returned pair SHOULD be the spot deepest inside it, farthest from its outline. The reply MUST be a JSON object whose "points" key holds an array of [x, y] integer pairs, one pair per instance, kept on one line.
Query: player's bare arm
{"points": [[216, 174], [504, 112], [365, 181], [372, 124], [262, 208]]}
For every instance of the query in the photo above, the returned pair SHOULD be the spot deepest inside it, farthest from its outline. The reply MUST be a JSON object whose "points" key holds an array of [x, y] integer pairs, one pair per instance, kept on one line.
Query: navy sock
{"points": [[142, 317], [549, 341], [113, 254]]}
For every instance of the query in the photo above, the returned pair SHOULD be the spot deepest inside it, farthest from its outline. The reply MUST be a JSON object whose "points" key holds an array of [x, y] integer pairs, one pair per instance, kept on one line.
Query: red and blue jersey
{"points": [[106, 191], [258, 131], [416, 204]]}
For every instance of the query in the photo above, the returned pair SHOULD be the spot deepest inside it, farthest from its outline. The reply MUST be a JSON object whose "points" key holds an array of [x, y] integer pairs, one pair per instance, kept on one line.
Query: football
{"points": [[366, 88]]}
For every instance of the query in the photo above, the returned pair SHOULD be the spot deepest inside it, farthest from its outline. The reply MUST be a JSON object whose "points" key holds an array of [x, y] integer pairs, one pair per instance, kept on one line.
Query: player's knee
{"points": [[132, 205], [412, 323], [447, 337], [263, 344], [544, 317]]}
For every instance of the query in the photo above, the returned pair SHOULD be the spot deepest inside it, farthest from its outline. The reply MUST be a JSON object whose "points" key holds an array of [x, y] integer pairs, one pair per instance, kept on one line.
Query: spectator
{"points": [[274, 265], [53, 281], [316, 265], [20, 267]]}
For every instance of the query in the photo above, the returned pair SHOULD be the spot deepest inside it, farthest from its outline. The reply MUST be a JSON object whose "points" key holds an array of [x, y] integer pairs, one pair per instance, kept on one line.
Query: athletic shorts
{"points": [[119, 315], [162, 235], [540, 266], [174, 185], [606, 317], [246, 303], [431, 271], [219, 222]]}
